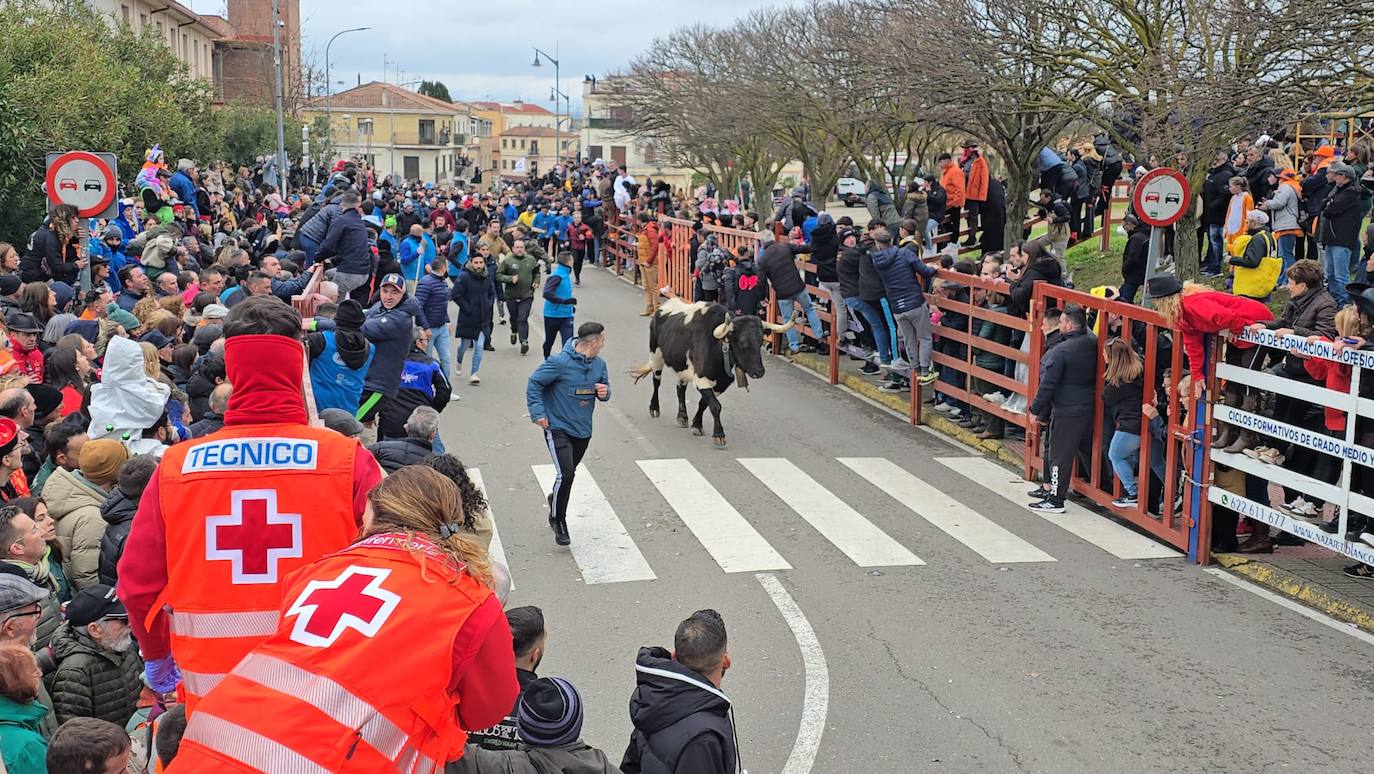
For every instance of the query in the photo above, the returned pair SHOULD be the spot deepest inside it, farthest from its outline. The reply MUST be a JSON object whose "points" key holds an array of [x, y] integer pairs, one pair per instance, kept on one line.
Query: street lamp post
{"points": [[557, 131], [328, 85], [554, 94], [283, 173]]}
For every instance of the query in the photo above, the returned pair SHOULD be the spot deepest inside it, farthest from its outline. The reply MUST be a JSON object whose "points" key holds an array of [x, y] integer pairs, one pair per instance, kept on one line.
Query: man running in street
{"points": [[560, 397]]}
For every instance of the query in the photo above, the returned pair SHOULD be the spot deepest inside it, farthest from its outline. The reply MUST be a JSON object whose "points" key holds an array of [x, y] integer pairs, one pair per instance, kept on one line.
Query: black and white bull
{"points": [[707, 347]]}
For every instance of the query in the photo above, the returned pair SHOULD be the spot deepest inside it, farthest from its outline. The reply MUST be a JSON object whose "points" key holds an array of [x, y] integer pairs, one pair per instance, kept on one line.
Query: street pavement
{"points": [[891, 606]]}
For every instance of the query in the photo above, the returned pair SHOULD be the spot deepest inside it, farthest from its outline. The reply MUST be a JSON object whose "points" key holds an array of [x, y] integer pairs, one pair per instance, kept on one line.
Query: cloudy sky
{"points": [[483, 50]]}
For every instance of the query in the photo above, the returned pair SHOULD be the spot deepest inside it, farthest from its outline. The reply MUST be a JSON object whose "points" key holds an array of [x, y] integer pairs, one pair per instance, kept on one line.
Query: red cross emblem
{"points": [[353, 600], [254, 537]]}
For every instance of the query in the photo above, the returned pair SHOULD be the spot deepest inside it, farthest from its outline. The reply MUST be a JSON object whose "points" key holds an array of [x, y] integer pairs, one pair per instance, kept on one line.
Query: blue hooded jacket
{"points": [[898, 267], [563, 390]]}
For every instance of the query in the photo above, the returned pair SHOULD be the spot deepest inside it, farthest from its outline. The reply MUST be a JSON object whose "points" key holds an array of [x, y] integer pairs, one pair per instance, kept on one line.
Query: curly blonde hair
{"points": [[1171, 307], [419, 500]]}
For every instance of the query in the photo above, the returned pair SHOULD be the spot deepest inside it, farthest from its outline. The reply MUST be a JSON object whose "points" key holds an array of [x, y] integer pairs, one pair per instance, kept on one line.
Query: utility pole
{"points": [[283, 175], [329, 85]]}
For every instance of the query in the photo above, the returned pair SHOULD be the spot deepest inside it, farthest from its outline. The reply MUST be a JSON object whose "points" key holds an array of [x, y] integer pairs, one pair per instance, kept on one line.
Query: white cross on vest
{"points": [[353, 600], [253, 537]]}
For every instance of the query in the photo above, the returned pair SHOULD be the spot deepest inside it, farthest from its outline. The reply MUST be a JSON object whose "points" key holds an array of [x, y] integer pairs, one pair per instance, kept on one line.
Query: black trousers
{"points": [[519, 311], [556, 326], [567, 451], [586, 254], [1071, 441]]}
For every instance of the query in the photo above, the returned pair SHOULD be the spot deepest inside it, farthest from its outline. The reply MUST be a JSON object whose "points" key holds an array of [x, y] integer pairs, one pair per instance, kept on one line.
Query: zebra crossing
{"points": [[606, 552]]}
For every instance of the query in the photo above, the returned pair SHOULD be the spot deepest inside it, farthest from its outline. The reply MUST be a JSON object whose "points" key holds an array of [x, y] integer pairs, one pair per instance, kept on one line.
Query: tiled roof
{"points": [[369, 96]]}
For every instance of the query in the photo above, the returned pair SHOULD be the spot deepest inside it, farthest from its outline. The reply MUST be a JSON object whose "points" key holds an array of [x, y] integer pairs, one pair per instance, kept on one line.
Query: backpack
{"points": [[1258, 282]]}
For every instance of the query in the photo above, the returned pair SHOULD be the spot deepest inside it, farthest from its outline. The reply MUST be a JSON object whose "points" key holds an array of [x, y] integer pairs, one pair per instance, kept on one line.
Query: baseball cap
{"points": [[92, 604], [16, 592], [341, 422], [9, 435], [394, 279], [157, 338]]}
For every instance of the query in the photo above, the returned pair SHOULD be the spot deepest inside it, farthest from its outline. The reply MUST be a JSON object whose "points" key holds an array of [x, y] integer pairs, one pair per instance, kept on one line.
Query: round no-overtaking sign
{"points": [[84, 180], [1161, 197]]}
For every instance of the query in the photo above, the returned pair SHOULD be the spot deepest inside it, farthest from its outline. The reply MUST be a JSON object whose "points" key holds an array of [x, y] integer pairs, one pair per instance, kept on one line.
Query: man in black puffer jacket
{"points": [[1068, 387], [682, 721], [421, 429], [209, 372], [779, 264], [118, 512], [825, 250], [92, 668]]}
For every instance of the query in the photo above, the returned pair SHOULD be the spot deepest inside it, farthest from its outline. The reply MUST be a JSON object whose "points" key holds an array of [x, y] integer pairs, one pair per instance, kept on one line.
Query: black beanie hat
{"points": [[349, 315]]}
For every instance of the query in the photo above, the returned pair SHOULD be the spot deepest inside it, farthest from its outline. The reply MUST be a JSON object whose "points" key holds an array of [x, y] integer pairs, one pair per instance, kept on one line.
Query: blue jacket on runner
{"points": [[558, 292], [392, 331], [563, 388], [898, 267]]}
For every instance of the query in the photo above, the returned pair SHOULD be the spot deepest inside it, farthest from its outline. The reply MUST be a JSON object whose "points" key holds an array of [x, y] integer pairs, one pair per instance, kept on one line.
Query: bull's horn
{"points": [[775, 328], [723, 329]]}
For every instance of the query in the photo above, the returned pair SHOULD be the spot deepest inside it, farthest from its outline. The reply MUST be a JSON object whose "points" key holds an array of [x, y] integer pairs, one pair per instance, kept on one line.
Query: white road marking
{"points": [[816, 697], [1302, 610], [982, 535], [856, 536], [726, 535], [497, 549], [1099, 530], [604, 551]]}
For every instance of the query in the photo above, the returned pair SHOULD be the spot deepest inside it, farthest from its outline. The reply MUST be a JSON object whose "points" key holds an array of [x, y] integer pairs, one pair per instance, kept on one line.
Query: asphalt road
{"points": [[1021, 647]]}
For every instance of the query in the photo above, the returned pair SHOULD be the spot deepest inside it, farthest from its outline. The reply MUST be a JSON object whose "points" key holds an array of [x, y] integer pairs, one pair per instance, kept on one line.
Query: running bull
{"points": [[707, 347]]}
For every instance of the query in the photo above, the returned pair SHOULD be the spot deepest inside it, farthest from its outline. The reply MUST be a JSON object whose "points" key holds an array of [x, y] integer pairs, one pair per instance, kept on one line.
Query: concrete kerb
{"points": [[1296, 588], [899, 403]]}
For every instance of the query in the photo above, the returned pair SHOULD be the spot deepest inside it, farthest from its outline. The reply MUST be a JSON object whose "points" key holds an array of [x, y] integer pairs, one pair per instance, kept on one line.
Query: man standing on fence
{"points": [[1068, 388], [647, 245]]}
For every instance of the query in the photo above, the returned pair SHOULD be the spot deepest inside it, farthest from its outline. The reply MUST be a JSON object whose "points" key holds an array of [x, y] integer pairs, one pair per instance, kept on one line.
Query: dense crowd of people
{"points": [[150, 360]]}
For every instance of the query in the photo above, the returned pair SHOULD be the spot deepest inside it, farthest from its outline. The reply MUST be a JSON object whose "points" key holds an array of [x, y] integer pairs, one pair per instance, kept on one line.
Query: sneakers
{"points": [[474, 379], [1046, 506], [898, 364], [1125, 501], [524, 347], [1361, 571], [560, 533], [513, 336], [870, 369], [1301, 507], [1038, 494], [927, 377], [895, 387], [995, 397], [944, 407], [454, 397]]}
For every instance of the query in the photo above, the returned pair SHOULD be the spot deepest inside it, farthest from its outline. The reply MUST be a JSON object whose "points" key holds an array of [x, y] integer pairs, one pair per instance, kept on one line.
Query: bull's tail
{"points": [[641, 371]]}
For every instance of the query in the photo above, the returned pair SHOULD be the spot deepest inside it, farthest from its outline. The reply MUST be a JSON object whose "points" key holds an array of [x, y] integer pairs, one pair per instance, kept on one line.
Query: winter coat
{"points": [[397, 453], [1341, 215], [681, 721], [1311, 314], [75, 504], [1068, 378], [1314, 190], [745, 289], [998, 334], [1083, 190], [1058, 215], [899, 269], [22, 746], [562, 390], [994, 217], [1136, 256], [952, 180], [646, 244], [870, 281], [847, 269], [347, 245], [89, 681], [432, 296], [1283, 208], [47, 258], [937, 202], [778, 264], [1216, 194], [524, 269], [880, 207], [916, 206], [210, 423], [317, 226], [710, 265], [202, 383], [1123, 403], [126, 399], [1258, 175], [392, 330], [573, 758], [825, 246], [1210, 312], [474, 294], [118, 512], [1047, 269], [978, 180], [422, 384]]}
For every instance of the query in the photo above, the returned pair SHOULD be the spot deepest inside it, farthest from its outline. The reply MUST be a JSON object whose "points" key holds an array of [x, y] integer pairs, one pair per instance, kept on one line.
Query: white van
{"points": [[851, 191]]}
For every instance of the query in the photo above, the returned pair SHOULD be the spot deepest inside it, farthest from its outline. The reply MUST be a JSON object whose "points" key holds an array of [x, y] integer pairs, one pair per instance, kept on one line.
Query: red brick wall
{"points": [[245, 73]]}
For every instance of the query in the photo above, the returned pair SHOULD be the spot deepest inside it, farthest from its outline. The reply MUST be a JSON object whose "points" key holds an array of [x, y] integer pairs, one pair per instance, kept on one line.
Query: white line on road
{"points": [[604, 551], [497, 549], [1301, 610], [816, 698], [988, 539], [1099, 530], [846, 528], [727, 536]]}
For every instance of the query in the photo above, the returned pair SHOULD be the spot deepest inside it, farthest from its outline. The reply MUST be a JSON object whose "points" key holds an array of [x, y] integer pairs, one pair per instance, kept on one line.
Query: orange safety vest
{"points": [[327, 692], [243, 508]]}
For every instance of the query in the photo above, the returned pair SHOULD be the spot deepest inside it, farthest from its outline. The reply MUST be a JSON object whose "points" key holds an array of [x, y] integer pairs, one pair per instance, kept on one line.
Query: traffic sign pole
{"points": [[1160, 199]]}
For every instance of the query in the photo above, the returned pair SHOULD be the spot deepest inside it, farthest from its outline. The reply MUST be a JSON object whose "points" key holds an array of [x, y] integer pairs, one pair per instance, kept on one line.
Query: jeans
{"points": [[1287, 243], [438, 349], [812, 319], [309, 247], [476, 345], [891, 324], [350, 282], [1336, 262], [1216, 248], [914, 326], [932, 225], [876, 323], [1124, 452]]}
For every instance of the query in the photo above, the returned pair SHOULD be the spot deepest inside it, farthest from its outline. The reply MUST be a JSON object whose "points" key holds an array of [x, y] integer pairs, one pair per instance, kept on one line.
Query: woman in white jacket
{"points": [[126, 401], [1283, 207]]}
